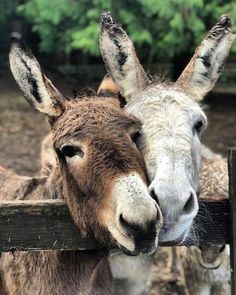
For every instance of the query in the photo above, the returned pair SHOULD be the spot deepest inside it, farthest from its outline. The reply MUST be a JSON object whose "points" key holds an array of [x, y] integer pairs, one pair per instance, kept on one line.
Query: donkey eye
{"points": [[135, 136], [198, 126], [71, 151]]}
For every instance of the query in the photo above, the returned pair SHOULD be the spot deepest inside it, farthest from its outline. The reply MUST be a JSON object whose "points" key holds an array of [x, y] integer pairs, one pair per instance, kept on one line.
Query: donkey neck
{"points": [[56, 273], [53, 272], [15, 187]]}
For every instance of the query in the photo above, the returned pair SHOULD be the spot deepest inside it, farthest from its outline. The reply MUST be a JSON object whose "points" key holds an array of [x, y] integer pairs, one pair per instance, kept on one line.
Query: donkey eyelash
{"points": [[198, 126]]}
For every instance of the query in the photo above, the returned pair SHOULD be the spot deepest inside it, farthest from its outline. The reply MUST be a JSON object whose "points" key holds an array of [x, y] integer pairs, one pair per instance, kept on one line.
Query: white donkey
{"points": [[172, 122]]}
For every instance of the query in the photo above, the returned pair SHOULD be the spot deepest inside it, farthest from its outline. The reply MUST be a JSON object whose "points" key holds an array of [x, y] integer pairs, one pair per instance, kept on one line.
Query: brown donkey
{"points": [[101, 176]]}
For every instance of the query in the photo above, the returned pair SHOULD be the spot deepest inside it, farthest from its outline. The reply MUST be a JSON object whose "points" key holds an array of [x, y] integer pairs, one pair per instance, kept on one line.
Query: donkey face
{"points": [[100, 172], [170, 142], [172, 121]]}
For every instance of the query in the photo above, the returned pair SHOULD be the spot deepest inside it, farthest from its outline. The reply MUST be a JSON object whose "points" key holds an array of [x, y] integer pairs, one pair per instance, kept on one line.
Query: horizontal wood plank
{"points": [[47, 225]]}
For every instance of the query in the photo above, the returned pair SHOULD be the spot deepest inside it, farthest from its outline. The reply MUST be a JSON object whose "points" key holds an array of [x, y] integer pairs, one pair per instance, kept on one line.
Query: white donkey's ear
{"points": [[207, 63], [120, 58], [37, 88]]}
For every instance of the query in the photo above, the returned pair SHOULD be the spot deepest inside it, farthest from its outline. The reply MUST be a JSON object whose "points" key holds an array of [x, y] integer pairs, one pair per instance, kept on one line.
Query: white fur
{"points": [[171, 151], [131, 199], [135, 78], [205, 67], [200, 85], [137, 269]]}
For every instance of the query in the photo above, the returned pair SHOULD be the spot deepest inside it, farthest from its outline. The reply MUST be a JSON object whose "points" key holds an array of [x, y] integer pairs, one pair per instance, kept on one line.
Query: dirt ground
{"points": [[22, 128]]}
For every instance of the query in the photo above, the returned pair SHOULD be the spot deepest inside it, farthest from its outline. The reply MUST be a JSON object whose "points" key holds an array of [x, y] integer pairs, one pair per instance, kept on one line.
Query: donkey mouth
{"points": [[174, 242], [139, 251], [143, 245]]}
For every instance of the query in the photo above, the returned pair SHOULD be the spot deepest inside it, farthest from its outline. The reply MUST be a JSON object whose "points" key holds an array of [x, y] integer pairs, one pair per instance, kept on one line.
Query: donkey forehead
{"points": [[158, 103], [88, 119]]}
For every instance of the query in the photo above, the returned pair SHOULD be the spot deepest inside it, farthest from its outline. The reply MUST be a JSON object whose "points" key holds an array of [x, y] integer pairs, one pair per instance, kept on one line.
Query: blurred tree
{"points": [[8, 16], [169, 29], [7, 8]]}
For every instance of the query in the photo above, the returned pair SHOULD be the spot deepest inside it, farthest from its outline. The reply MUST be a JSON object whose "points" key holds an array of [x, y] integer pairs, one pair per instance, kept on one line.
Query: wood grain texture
{"points": [[40, 225], [47, 225]]}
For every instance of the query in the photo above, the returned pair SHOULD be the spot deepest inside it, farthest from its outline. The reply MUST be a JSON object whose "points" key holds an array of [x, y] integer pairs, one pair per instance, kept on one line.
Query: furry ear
{"points": [[207, 63], [120, 58], [108, 88], [37, 88]]}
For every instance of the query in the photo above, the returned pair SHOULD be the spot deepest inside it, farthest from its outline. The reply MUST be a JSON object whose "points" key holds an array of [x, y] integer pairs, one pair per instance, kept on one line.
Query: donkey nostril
{"points": [[222, 248], [124, 223], [129, 227], [189, 205], [154, 196]]}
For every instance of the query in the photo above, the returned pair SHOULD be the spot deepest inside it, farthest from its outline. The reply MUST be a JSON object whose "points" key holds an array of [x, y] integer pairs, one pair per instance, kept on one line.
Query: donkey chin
{"points": [[176, 232], [138, 218], [174, 235]]}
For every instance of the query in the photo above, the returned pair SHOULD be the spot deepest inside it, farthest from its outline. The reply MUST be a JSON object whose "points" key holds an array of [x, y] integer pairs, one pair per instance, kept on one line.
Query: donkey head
{"points": [[172, 120], [99, 172]]}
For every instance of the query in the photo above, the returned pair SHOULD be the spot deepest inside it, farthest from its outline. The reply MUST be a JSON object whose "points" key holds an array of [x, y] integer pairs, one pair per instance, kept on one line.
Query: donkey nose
{"points": [[130, 228], [154, 196], [186, 209], [136, 229], [189, 206]]}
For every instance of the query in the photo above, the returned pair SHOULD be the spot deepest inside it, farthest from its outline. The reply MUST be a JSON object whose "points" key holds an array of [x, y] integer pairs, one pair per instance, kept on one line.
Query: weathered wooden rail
{"points": [[47, 225]]}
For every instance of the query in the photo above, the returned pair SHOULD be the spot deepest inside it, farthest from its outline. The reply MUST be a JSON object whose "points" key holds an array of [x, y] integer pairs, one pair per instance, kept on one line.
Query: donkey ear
{"points": [[108, 88], [120, 58], [37, 88], [207, 63]]}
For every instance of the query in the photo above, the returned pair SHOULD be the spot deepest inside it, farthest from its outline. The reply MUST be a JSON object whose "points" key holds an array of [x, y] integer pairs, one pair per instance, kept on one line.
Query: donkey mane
{"points": [[84, 92]]}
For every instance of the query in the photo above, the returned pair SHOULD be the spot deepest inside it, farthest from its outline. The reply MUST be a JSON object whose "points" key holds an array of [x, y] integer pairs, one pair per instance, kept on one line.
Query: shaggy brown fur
{"points": [[103, 131], [111, 152]]}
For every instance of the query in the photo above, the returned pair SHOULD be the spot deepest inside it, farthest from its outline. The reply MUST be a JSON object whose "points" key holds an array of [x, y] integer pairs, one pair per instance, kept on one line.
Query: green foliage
{"points": [[158, 28], [64, 25], [7, 8]]}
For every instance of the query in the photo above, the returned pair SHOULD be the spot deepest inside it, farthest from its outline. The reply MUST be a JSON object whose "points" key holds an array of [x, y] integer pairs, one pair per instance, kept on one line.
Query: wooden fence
{"points": [[47, 225]]}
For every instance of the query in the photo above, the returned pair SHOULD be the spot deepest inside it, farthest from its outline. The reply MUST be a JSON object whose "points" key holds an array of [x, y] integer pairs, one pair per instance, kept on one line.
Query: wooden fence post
{"points": [[232, 197]]}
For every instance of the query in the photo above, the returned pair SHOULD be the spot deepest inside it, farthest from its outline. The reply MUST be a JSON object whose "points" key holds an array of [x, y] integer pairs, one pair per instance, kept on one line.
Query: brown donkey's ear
{"points": [[37, 88], [120, 58], [207, 63], [108, 88]]}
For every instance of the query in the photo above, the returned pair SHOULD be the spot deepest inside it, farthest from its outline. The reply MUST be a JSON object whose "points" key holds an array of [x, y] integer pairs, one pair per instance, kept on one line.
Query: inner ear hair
{"points": [[120, 58], [207, 63], [37, 88]]}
